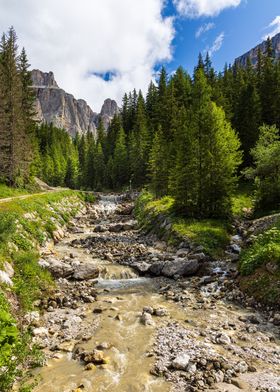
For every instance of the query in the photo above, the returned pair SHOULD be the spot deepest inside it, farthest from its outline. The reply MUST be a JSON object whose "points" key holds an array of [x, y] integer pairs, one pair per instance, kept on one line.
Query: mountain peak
{"points": [[43, 79], [253, 53], [63, 110]]}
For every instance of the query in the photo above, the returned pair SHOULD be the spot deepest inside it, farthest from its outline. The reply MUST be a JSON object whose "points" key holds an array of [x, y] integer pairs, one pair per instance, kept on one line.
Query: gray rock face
{"points": [[54, 105], [253, 53]]}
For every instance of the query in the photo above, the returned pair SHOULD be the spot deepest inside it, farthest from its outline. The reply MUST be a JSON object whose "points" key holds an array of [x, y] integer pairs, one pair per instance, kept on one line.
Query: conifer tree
{"points": [[11, 119], [158, 165], [120, 161]]}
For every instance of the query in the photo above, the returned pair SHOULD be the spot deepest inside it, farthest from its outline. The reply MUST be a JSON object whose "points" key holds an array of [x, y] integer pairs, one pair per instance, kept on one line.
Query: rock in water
{"points": [[86, 271], [180, 268]]}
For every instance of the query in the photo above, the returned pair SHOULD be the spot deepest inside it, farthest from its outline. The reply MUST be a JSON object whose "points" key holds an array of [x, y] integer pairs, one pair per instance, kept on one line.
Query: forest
{"points": [[193, 137]]}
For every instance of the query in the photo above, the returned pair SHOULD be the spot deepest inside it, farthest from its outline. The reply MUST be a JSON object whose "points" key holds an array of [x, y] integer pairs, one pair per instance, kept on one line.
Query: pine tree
{"points": [[11, 121], [120, 161], [158, 166], [99, 166], [206, 170], [28, 113]]}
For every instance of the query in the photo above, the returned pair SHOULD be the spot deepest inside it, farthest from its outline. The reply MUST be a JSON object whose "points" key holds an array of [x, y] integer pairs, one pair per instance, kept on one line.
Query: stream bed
{"points": [[111, 327]]}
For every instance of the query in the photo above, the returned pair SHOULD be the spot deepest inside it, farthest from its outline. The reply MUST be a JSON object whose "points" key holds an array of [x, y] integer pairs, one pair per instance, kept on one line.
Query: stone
{"points": [[235, 248], [8, 269], [148, 309], [32, 317], [59, 269], [191, 368], [156, 268], [66, 346], [183, 252], [181, 361], [241, 367], [96, 357], [276, 319], [219, 376], [86, 271], [5, 279], [146, 319], [40, 331], [222, 338], [181, 268], [99, 229], [160, 312], [90, 366], [252, 318]]}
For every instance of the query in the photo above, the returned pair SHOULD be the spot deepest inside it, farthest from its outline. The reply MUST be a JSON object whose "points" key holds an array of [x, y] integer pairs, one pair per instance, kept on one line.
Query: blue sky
{"points": [[243, 27], [101, 49]]}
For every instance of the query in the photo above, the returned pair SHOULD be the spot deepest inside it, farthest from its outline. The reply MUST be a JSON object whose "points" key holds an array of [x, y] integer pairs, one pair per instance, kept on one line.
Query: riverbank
{"points": [[25, 226]]}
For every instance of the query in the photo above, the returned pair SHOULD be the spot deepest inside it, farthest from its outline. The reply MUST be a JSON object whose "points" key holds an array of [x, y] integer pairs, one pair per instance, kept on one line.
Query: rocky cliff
{"points": [[54, 105], [253, 53]]}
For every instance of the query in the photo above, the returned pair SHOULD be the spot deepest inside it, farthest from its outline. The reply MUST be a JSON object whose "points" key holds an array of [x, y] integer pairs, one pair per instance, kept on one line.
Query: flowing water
{"points": [[122, 295]]}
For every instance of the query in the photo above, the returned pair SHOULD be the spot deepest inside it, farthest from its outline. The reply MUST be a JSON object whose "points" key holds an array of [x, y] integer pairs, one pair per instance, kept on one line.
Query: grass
{"points": [[212, 234], [260, 267], [6, 191], [24, 225], [265, 249], [243, 201]]}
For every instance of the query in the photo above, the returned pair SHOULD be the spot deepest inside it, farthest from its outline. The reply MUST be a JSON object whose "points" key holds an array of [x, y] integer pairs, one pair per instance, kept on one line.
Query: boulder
{"points": [[180, 268], [156, 268], [86, 271], [59, 269]]}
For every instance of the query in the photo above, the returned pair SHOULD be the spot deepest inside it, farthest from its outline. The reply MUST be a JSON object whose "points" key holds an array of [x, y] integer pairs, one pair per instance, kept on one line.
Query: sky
{"points": [[104, 48]]}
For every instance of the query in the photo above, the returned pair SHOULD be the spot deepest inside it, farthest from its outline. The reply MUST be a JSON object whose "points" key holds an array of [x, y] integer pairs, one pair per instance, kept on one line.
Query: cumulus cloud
{"points": [[203, 29], [217, 44], [81, 41], [274, 26], [197, 8]]}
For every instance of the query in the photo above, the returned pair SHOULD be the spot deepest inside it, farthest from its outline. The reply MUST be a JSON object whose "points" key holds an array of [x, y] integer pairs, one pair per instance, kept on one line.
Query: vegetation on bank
{"points": [[25, 225], [212, 234], [260, 266], [6, 191]]}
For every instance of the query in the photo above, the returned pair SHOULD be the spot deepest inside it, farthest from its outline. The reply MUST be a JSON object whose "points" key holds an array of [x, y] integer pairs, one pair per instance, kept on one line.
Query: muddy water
{"points": [[129, 366], [122, 295]]}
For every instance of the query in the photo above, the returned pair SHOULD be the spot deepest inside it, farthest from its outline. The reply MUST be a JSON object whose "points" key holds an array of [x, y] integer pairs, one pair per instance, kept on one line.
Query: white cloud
{"points": [[204, 28], [217, 44], [197, 8], [76, 40], [275, 26]]}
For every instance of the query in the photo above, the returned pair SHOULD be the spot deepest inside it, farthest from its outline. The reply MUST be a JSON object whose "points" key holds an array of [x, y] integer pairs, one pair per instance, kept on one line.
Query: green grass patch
{"points": [[30, 279], [243, 201], [6, 191], [264, 249], [24, 225], [212, 234], [263, 286], [257, 279]]}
